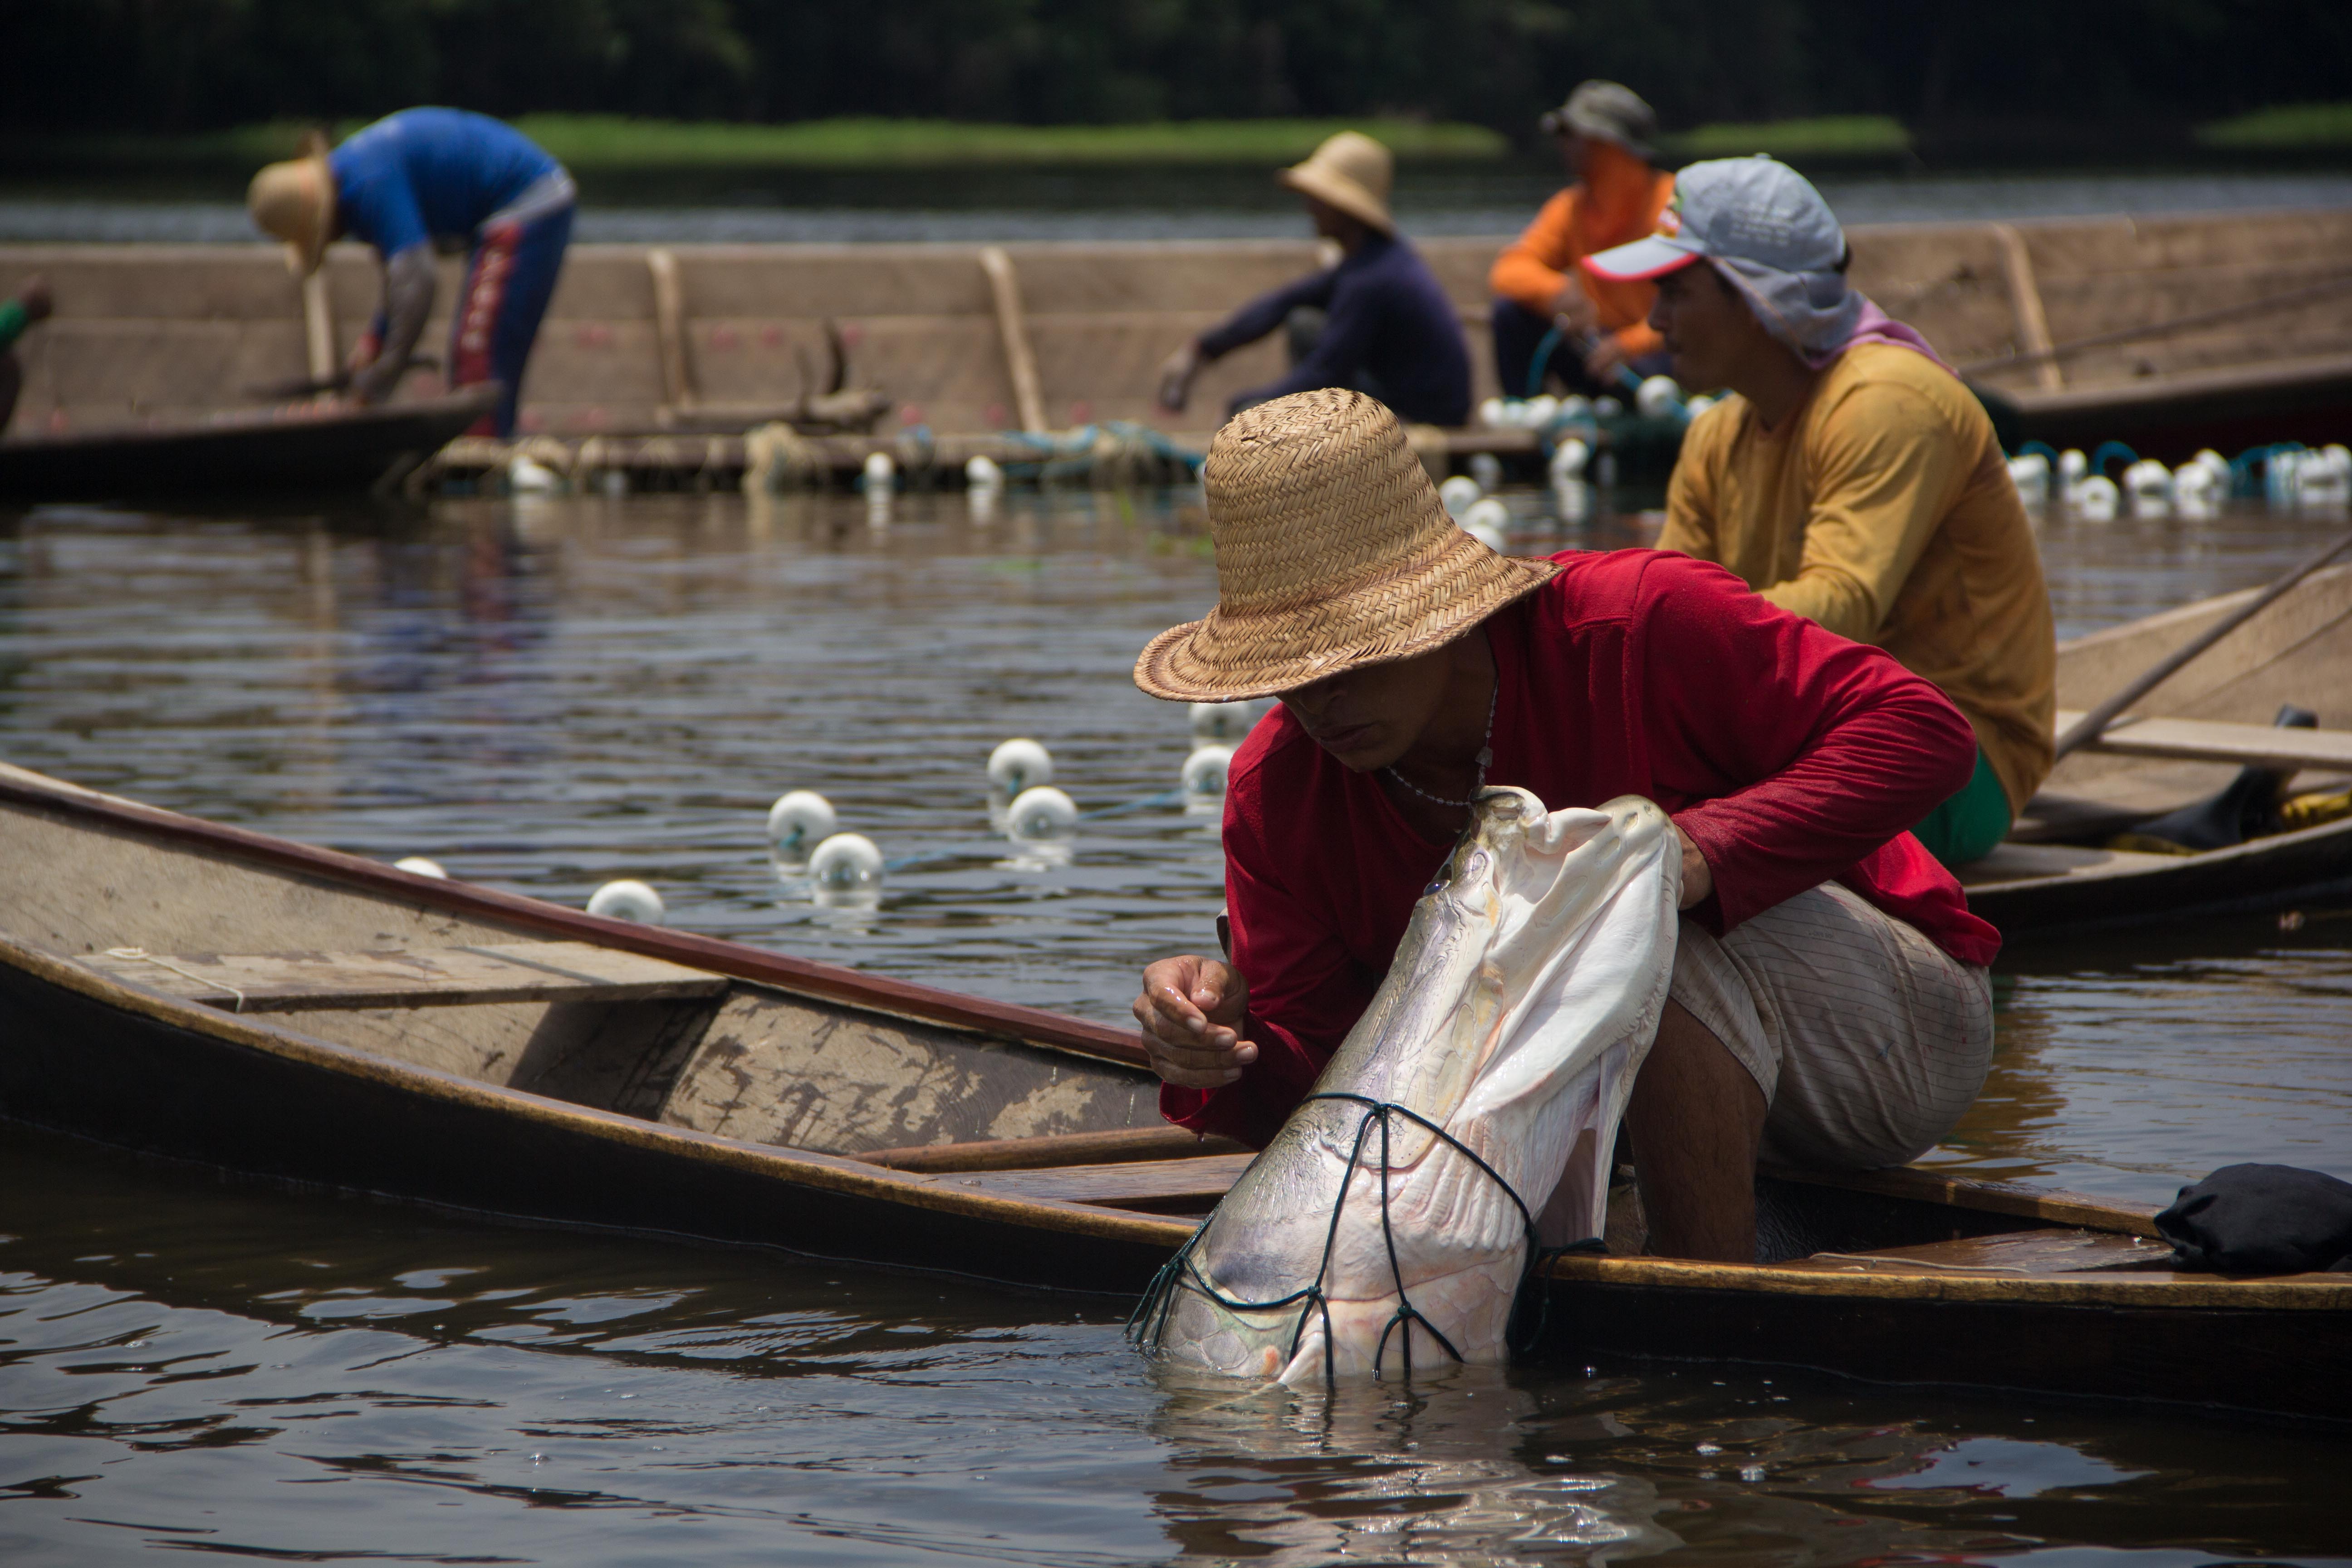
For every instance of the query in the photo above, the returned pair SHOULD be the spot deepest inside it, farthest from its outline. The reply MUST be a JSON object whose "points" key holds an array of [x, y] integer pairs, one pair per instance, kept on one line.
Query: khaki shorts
{"points": [[1867, 1039]]}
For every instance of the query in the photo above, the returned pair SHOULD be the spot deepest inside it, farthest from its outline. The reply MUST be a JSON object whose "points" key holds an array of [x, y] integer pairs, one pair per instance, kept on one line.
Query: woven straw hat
{"points": [[1333, 552], [295, 201], [1351, 172]]}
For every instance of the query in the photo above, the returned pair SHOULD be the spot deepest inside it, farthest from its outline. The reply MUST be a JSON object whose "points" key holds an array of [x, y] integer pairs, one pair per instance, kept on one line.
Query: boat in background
{"points": [[210, 993], [2170, 333], [314, 447], [2183, 743]]}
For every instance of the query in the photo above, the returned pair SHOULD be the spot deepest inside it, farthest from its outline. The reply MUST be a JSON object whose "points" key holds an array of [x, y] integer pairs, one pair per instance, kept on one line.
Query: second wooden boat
{"points": [[308, 450], [209, 994], [2185, 743]]}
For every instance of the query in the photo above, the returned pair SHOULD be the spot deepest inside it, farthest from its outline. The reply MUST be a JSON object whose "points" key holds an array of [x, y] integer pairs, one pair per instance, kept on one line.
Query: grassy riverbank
{"points": [[2292, 127], [613, 144], [614, 147]]}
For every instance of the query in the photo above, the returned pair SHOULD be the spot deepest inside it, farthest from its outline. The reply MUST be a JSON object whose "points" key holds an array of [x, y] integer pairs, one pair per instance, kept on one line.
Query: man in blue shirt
{"points": [[412, 184], [1386, 328]]}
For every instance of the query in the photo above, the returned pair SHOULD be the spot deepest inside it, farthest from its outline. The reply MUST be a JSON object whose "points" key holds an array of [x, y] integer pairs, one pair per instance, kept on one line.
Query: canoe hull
{"points": [[2276, 1362], [77, 1065], [2171, 419], [2268, 874], [352, 451]]}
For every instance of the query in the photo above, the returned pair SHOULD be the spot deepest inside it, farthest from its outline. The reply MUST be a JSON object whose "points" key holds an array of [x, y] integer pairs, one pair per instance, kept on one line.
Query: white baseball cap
{"points": [[1755, 210]]}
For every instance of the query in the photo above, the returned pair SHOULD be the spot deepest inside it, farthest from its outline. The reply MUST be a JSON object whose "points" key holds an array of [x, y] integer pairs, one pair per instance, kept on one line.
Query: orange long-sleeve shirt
{"points": [[1618, 201]]}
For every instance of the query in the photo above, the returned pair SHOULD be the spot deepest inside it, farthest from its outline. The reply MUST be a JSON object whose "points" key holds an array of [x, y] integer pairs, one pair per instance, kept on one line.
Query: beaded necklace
{"points": [[1485, 760]]}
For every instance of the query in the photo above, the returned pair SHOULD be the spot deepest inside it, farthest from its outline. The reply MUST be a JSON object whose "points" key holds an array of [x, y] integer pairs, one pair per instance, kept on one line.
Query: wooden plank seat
{"points": [[436, 977], [1124, 1143], [2054, 1250], [1149, 1187], [2206, 740]]}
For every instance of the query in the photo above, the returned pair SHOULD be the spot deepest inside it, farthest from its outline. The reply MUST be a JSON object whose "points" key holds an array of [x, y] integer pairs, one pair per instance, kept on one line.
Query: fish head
{"points": [[1219, 1327]]}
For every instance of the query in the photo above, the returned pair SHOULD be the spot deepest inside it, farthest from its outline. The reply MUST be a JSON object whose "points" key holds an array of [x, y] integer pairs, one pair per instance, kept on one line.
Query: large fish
{"points": [[1524, 997]]}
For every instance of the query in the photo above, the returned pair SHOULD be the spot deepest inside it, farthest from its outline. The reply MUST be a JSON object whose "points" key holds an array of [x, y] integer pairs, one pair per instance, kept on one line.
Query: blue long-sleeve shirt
{"points": [[1386, 316], [424, 173]]}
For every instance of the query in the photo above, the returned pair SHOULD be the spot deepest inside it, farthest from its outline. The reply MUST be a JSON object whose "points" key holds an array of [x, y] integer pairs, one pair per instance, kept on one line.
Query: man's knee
{"points": [[1690, 1074]]}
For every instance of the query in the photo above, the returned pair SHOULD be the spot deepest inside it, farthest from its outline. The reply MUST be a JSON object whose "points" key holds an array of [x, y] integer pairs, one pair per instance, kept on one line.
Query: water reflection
{"points": [[192, 1364]]}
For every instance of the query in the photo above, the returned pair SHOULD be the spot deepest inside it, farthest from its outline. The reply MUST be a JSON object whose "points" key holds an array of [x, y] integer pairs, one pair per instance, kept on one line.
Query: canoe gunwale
{"points": [[806, 978], [2041, 906], [2157, 1291]]}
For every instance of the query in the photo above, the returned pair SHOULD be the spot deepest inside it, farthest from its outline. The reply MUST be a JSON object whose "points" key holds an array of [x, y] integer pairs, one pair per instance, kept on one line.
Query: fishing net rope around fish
{"points": [[1149, 1319]]}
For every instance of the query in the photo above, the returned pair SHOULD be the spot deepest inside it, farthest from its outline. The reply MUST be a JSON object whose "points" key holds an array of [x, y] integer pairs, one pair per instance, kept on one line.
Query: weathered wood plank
{"points": [[2206, 740], [1916, 1185], [2053, 1252], [1144, 1185], [774, 1069], [436, 977], [2015, 862], [1162, 1142]]}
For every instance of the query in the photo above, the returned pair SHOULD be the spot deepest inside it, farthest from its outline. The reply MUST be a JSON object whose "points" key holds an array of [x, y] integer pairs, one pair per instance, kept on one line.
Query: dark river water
{"points": [[545, 694], [973, 207]]}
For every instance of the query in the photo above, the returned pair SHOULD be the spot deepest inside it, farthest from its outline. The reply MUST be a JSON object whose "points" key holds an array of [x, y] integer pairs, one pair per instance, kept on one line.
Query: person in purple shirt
{"points": [[1378, 322], [417, 183]]}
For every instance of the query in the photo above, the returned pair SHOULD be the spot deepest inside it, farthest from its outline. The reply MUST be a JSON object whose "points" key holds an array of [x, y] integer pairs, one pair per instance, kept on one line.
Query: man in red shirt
{"points": [[1830, 1005]]}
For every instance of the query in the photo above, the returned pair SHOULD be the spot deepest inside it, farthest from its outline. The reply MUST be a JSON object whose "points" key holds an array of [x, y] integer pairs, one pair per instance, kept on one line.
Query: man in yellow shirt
{"points": [[1850, 476]]}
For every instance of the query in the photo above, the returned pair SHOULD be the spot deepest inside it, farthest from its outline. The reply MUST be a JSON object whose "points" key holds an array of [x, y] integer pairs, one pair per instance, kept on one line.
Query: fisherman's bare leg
{"points": [[1697, 1119]]}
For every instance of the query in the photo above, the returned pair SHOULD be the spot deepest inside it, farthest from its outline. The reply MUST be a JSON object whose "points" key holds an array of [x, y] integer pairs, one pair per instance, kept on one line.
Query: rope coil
{"points": [[1149, 1319]]}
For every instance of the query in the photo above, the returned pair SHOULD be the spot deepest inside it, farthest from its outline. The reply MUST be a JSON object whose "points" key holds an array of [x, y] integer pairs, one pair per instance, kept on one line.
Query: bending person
{"points": [[1378, 321], [414, 182], [1587, 330], [1851, 476], [1830, 1005]]}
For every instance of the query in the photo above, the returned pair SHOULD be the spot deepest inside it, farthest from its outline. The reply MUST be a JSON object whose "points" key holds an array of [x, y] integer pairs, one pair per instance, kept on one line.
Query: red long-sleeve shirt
{"points": [[1791, 756]]}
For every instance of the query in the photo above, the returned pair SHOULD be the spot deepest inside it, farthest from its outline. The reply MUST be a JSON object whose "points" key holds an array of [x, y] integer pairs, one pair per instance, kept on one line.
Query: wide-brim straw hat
{"points": [[1351, 172], [1333, 552], [295, 201]]}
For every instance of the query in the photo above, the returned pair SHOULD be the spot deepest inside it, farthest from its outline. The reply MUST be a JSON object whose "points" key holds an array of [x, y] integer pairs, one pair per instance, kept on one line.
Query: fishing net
{"points": [[1146, 1324]]}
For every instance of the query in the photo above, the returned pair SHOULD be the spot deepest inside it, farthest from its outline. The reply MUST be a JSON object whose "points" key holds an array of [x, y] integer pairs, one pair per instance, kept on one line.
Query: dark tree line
{"points": [[186, 64]]}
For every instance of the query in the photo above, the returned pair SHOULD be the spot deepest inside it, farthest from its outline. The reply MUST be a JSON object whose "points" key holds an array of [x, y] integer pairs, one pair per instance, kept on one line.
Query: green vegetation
{"points": [[2286, 128], [1832, 136], [617, 144], [601, 144]]}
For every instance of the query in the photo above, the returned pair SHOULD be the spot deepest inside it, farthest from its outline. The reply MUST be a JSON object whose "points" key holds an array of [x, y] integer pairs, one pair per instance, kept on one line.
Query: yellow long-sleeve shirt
{"points": [[1882, 508]]}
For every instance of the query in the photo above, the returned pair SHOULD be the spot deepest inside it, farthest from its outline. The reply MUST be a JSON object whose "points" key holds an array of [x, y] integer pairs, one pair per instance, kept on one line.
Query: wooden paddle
{"points": [[2089, 726]]}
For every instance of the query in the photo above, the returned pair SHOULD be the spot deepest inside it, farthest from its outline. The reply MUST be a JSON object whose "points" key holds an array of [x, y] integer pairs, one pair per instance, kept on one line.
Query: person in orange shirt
{"points": [[1540, 285]]}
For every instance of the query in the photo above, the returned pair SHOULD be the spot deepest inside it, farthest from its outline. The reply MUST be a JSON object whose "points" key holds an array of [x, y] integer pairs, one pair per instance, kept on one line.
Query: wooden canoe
{"points": [[215, 994], [2186, 742], [309, 450]]}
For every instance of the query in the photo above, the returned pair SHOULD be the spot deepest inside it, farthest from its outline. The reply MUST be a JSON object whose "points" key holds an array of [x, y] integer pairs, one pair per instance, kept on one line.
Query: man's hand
{"points": [[1176, 374], [1605, 358], [1192, 1010], [1698, 877], [364, 353], [1573, 307], [36, 300]]}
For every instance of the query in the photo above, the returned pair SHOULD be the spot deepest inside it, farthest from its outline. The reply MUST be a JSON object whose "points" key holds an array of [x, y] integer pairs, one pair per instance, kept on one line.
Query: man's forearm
{"points": [[408, 299]]}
